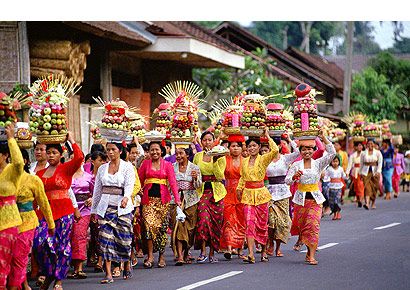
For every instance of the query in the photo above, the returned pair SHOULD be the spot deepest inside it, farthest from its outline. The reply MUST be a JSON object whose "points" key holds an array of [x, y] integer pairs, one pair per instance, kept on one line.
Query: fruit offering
{"points": [[95, 132], [253, 120], [385, 126], [114, 115], [48, 111], [337, 134], [184, 101], [48, 119], [288, 118], [355, 122], [305, 112], [371, 130], [274, 118], [7, 112], [163, 121], [23, 135]]}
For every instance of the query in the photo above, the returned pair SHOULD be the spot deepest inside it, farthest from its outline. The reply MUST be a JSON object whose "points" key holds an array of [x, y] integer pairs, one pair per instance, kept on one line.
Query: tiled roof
{"points": [[113, 30], [285, 60], [325, 67]]}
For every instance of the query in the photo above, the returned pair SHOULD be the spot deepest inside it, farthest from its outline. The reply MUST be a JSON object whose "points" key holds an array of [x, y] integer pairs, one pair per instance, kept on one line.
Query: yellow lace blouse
{"points": [[254, 173], [211, 168], [31, 188], [137, 186], [9, 181]]}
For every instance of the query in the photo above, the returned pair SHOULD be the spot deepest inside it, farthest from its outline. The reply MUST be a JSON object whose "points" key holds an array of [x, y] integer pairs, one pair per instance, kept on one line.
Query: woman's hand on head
{"points": [[10, 131], [70, 137]]}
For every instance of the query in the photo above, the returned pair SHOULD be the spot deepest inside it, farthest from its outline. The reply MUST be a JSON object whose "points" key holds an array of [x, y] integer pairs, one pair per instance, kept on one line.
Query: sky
{"points": [[383, 32]]}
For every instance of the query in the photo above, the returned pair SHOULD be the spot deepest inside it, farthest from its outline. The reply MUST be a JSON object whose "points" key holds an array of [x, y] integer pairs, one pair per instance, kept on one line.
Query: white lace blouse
{"points": [[124, 178], [335, 173], [280, 168], [186, 185], [310, 175]]}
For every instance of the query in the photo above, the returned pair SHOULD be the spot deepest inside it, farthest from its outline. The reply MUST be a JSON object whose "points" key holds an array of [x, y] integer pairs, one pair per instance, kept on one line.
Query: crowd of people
{"points": [[124, 201]]}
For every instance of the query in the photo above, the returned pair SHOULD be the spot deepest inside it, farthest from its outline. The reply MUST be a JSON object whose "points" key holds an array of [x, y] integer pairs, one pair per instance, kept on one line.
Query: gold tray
{"points": [[252, 132], [310, 134], [182, 139], [358, 138], [25, 144], [276, 133], [232, 130], [51, 139], [216, 153]]}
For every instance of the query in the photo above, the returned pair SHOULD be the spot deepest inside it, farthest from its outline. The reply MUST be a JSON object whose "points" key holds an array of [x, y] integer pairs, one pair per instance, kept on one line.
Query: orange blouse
{"points": [[232, 176]]}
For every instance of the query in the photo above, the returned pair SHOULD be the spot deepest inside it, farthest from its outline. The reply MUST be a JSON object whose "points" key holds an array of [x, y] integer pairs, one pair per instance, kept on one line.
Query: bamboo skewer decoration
{"points": [[59, 57]]}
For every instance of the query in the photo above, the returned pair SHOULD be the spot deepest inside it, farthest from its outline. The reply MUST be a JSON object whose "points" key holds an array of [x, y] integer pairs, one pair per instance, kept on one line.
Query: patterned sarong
{"points": [[115, 235], [307, 222], [256, 218], [155, 223]]}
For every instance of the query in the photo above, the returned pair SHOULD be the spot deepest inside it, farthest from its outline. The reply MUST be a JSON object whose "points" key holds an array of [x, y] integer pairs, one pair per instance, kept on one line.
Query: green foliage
{"points": [[364, 42], [255, 78], [401, 46], [375, 97], [397, 71], [321, 32]]}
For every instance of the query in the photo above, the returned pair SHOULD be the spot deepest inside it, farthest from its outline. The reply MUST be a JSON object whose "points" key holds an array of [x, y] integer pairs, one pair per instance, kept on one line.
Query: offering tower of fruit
{"points": [[355, 122], [184, 100], [253, 121], [231, 113], [163, 121], [275, 119], [48, 111], [305, 112], [9, 104], [372, 130], [114, 115], [137, 127], [288, 118], [385, 126]]}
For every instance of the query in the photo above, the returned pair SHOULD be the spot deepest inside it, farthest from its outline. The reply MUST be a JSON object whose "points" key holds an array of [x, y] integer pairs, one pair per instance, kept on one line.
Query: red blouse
{"points": [[56, 186]]}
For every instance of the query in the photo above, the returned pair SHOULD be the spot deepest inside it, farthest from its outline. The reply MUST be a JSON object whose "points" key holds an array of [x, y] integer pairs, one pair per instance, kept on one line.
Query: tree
{"points": [[255, 78], [282, 34], [363, 40], [374, 97], [401, 46]]}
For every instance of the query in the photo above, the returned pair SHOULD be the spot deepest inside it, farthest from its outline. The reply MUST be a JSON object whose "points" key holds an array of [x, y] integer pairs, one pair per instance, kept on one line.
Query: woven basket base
{"points": [[51, 139]]}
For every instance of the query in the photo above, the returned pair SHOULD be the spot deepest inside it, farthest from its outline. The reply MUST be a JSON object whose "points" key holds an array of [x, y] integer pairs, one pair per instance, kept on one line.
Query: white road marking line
{"points": [[323, 247], [204, 282], [387, 226]]}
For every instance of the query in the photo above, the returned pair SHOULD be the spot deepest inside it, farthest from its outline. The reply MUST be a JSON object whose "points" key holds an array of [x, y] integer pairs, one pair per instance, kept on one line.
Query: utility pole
{"points": [[348, 68]]}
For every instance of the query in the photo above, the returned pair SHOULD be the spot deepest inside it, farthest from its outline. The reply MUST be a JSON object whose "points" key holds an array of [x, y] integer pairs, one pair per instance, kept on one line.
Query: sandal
{"points": [[213, 260], [241, 256], [161, 264], [179, 262], [73, 275], [127, 274], [312, 262], [58, 287], [116, 273], [201, 259], [249, 260], [98, 269], [264, 259], [134, 262], [228, 255], [148, 264], [297, 247], [81, 275], [40, 280], [107, 280], [279, 254]]}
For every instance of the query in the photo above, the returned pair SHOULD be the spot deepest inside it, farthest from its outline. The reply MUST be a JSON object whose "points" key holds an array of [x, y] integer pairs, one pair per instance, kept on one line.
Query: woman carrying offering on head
{"points": [[308, 199], [255, 196]]}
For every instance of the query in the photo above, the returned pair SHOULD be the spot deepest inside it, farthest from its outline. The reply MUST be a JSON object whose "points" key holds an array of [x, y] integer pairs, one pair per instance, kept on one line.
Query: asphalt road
{"points": [[363, 258]]}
